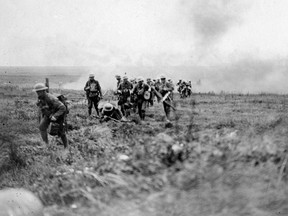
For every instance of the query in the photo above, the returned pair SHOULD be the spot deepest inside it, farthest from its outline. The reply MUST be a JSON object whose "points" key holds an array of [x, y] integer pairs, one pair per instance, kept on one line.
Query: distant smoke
{"points": [[245, 76], [211, 19]]}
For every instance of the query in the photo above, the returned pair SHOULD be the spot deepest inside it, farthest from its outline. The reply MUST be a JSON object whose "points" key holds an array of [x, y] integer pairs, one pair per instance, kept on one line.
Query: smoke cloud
{"points": [[212, 19]]}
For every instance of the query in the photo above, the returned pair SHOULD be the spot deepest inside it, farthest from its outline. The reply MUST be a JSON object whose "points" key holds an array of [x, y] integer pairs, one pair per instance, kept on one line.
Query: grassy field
{"points": [[233, 160]]}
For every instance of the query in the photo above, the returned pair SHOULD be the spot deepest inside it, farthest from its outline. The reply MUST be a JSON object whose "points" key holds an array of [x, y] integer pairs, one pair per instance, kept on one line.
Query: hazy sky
{"points": [[229, 38]]}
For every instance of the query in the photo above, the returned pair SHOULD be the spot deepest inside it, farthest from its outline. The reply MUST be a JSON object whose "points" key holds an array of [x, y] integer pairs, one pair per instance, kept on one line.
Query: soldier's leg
{"points": [[96, 102], [167, 110], [139, 106], [44, 123], [61, 132], [64, 138], [143, 109], [123, 110], [89, 105]]}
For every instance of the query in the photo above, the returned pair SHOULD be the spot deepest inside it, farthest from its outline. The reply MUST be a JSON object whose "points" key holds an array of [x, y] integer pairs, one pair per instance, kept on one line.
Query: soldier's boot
{"points": [[143, 115], [123, 110], [44, 136], [64, 140], [97, 111], [89, 112]]}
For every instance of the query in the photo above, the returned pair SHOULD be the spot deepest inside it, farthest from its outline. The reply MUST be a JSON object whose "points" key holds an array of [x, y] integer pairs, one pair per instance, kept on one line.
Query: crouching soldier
{"points": [[51, 111], [93, 93], [139, 90], [110, 112]]}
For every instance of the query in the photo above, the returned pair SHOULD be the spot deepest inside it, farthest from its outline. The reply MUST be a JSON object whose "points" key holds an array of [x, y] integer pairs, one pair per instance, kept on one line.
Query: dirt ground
{"points": [[232, 159]]}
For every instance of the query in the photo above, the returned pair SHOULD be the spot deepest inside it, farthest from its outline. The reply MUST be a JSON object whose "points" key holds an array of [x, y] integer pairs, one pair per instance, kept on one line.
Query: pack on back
{"points": [[62, 99]]}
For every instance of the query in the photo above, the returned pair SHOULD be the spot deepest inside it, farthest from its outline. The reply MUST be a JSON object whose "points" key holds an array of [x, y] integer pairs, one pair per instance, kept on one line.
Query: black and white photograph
{"points": [[143, 107]]}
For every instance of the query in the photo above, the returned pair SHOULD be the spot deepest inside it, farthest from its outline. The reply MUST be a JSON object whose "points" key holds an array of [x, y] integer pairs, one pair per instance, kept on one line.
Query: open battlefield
{"points": [[231, 158]]}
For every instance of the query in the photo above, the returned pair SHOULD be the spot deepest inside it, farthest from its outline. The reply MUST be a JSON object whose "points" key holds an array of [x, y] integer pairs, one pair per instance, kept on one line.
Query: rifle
{"points": [[165, 96], [163, 99], [108, 117]]}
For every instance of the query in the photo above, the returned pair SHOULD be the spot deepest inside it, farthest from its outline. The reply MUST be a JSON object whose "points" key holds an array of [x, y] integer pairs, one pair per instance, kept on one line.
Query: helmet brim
{"points": [[41, 89]]}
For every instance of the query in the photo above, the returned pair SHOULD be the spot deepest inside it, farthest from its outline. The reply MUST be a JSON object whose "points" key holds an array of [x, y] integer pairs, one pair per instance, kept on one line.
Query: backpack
{"points": [[63, 99]]}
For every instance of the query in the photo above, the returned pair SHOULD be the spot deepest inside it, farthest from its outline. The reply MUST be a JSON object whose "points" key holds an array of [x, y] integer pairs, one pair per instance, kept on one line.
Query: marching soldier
{"points": [[139, 91], [124, 95], [118, 78], [51, 111], [172, 85], [150, 95], [133, 97], [179, 84], [189, 84], [165, 89], [93, 93]]}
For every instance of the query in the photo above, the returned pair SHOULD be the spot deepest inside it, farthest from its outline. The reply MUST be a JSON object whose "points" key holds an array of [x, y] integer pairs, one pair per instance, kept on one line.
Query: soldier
{"points": [[189, 87], [108, 111], [124, 95], [51, 110], [133, 97], [179, 83], [172, 85], [118, 78], [93, 93], [139, 90], [150, 95], [133, 81], [165, 90], [182, 89]]}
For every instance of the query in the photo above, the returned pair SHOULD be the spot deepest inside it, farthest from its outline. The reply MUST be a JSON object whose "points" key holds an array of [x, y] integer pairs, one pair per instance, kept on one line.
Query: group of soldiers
{"points": [[132, 95], [138, 95], [184, 88]]}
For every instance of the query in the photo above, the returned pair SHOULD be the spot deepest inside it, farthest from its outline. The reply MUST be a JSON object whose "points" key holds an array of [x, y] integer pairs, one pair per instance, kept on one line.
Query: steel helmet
{"points": [[117, 76], [162, 76], [108, 107], [18, 201], [39, 87], [91, 75], [140, 79], [125, 77]]}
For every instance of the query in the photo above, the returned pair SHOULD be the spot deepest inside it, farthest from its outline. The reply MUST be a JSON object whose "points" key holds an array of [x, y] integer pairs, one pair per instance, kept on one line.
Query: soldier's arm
{"points": [[87, 84], [99, 88], [119, 87]]}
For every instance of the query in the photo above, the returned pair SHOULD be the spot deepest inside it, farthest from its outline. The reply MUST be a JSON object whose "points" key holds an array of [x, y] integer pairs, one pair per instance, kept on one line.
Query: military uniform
{"points": [[151, 84], [139, 90], [164, 88], [124, 91], [108, 111], [94, 94], [49, 106]]}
